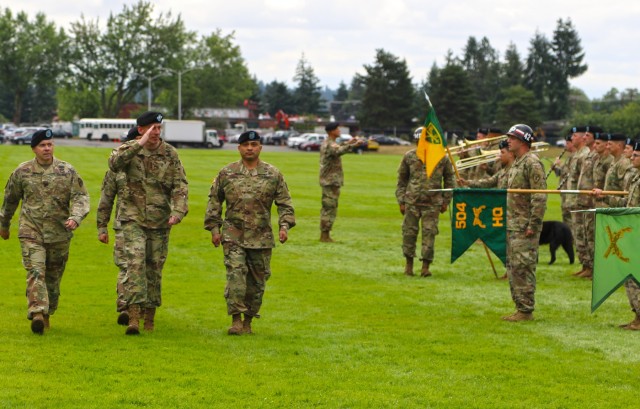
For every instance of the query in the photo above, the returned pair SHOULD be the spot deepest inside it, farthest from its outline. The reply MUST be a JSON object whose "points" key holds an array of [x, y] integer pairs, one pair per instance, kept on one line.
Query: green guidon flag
{"points": [[616, 256], [479, 214]]}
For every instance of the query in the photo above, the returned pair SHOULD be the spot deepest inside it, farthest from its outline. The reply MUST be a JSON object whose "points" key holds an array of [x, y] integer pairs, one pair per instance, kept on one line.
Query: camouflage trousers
{"points": [[120, 261], [522, 256], [329, 211], [413, 216], [45, 263], [577, 222], [145, 252], [633, 294], [566, 213], [589, 231], [247, 273]]}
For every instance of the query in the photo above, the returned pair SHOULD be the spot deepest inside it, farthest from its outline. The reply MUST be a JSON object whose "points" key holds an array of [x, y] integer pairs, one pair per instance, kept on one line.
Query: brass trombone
{"points": [[493, 155], [467, 146]]}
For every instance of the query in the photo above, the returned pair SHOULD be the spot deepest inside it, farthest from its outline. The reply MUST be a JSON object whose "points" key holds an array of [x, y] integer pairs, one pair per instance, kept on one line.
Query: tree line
{"points": [[94, 70]]}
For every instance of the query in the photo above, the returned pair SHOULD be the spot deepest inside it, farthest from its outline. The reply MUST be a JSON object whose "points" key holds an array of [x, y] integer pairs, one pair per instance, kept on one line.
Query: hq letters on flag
{"points": [[616, 256], [479, 214], [431, 146]]}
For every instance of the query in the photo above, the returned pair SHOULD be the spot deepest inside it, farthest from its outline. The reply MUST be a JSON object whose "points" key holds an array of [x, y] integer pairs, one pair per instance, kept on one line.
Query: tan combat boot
{"points": [[236, 325], [123, 318], [633, 325], [325, 237], [246, 324], [425, 269], [37, 323], [577, 273], [134, 320], [408, 268], [46, 321], [149, 316], [519, 316], [586, 273]]}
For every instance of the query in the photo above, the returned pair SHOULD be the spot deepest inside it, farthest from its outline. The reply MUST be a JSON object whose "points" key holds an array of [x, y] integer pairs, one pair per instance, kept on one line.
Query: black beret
{"points": [[503, 144], [616, 137], [636, 146], [149, 118], [601, 136], [484, 131], [41, 135], [331, 126], [249, 136], [629, 142], [579, 129], [133, 133], [593, 129]]}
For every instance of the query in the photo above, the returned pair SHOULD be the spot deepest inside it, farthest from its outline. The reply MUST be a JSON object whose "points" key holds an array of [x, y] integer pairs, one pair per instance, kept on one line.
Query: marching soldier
{"points": [[154, 201], [54, 203]]}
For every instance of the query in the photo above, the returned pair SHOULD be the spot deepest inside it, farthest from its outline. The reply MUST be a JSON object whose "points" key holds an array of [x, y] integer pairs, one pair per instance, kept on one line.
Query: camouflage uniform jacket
{"points": [[574, 172], [331, 162], [569, 200], [156, 185], [526, 210], [50, 196], [498, 180], [113, 186], [633, 199], [413, 184], [585, 181], [249, 196], [618, 178], [600, 167]]}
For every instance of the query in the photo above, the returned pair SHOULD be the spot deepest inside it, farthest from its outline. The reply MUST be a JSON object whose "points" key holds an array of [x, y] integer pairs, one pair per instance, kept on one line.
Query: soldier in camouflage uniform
{"points": [[587, 181], [54, 203], [154, 200], [562, 172], [418, 205], [499, 179], [485, 170], [113, 186], [631, 287], [579, 157], [524, 221], [249, 187], [331, 177]]}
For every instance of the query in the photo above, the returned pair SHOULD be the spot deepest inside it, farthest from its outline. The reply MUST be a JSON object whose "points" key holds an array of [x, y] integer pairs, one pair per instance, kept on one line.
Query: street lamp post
{"points": [[180, 72], [149, 79]]}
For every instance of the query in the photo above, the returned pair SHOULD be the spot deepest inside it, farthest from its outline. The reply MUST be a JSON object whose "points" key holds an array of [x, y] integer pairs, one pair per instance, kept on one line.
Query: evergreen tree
{"points": [[518, 105], [342, 93], [453, 97], [307, 94], [537, 69], [481, 61], [512, 68], [277, 96], [567, 63], [388, 93]]}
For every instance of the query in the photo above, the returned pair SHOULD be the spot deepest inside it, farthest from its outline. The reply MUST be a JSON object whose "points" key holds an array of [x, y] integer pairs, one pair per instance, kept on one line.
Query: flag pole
{"points": [[551, 192], [455, 169]]}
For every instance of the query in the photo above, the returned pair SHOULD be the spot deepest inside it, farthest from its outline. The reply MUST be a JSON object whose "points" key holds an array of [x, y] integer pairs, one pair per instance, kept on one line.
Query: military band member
{"points": [[524, 221], [499, 179], [54, 203], [419, 206], [249, 187]]}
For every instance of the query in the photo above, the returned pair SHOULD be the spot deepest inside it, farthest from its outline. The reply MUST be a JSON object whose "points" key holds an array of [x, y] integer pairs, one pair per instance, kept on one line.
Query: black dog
{"points": [[557, 234]]}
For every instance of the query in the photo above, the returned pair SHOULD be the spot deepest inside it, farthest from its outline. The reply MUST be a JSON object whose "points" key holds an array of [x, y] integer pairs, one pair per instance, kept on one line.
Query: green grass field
{"points": [[341, 326]]}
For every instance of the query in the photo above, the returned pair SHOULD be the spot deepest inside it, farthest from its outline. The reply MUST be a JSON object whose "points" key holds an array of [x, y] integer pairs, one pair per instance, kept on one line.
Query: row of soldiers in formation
{"points": [[594, 162]]}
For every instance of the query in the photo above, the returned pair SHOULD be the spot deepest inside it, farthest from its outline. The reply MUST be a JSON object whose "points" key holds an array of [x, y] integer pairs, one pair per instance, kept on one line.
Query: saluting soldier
{"points": [[155, 199], [249, 187], [524, 221], [54, 203], [331, 177], [113, 188], [418, 205]]}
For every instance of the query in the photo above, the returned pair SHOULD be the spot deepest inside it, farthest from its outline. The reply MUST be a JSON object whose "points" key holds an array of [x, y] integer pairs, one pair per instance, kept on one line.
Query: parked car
{"points": [[59, 133], [295, 141], [389, 140], [23, 139], [312, 143], [278, 137]]}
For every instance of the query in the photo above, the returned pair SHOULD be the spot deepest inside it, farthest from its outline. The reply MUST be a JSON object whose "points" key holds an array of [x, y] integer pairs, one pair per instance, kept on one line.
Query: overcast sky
{"points": [[339, 37]]}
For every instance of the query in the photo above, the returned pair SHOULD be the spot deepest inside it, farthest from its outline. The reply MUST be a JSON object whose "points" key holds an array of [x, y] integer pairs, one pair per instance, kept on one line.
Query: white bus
{"points": [[104, 129]]}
